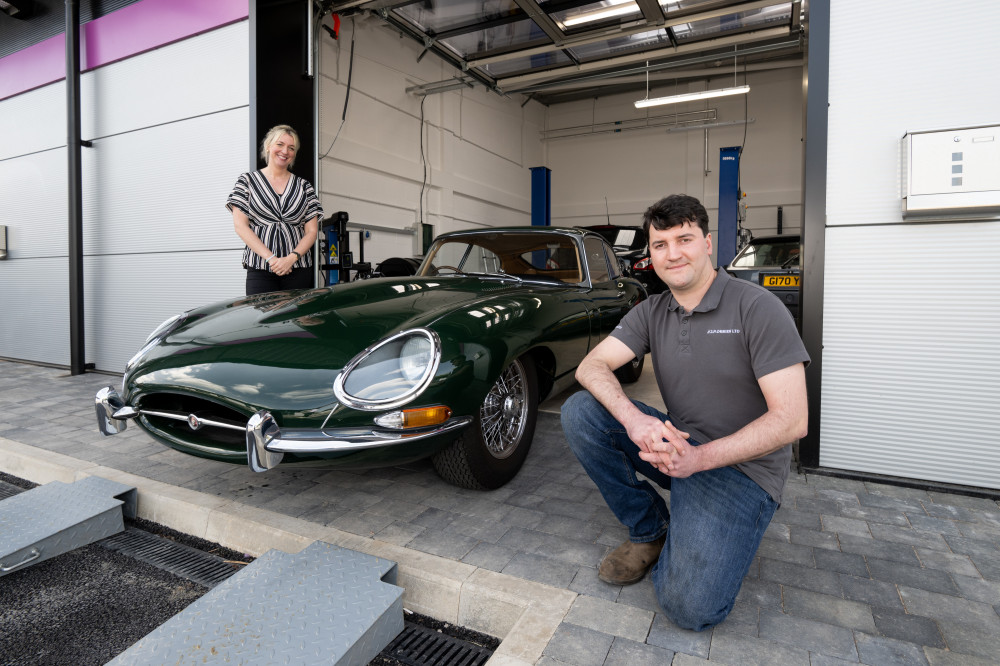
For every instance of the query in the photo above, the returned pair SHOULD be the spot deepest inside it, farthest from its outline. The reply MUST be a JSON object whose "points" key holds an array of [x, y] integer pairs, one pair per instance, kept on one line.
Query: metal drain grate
{"points": [[195, 565], [9, 490], [417, 645]]}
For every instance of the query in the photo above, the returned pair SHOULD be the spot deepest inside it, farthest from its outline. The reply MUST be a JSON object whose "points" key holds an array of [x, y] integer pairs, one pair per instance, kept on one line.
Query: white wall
{"points": [[635, 168], [169, 132], [911, 365], [478, 146]]}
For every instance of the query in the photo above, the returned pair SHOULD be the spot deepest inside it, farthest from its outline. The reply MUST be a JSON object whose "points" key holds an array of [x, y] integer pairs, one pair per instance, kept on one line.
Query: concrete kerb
{"points": [[524, 614]]}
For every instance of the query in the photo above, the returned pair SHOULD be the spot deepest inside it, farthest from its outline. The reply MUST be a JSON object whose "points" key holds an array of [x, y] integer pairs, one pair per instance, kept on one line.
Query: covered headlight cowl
{"points": [[160, 332], [391, 372]]}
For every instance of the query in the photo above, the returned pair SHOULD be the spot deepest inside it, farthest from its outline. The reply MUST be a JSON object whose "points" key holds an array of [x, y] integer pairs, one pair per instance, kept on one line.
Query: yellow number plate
{"points": [[780, 281]]}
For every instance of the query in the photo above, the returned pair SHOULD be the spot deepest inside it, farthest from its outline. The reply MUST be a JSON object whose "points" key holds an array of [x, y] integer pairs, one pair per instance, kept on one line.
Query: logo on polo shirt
{"points": [[723, 331]]}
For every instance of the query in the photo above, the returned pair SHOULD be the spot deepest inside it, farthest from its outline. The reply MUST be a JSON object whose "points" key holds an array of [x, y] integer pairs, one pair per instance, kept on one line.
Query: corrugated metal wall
{"points": [[911, 360], [169, 130]]}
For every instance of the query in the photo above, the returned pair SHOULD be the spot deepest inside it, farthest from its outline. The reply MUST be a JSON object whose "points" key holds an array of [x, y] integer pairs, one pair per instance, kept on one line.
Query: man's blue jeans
{"points": [[714, 526]]}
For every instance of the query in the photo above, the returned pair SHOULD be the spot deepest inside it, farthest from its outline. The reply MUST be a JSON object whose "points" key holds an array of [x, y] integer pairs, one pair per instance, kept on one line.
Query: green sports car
{"points": [[449, 364]]}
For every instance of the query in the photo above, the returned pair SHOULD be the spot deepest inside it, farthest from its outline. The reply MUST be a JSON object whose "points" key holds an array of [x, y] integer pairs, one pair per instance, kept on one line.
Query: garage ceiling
{"points": [[558, 51]]}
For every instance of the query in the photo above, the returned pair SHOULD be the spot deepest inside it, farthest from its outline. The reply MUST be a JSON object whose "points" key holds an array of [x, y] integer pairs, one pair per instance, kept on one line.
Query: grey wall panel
{"points": [[33, 204], [924, 71], [132, 294], [164, 189], [204, 74], [911, 370], [34, 121], [34, 324]]}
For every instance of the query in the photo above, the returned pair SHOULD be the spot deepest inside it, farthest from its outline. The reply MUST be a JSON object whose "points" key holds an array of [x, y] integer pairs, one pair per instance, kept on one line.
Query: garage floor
{"points": [[848, 571]]}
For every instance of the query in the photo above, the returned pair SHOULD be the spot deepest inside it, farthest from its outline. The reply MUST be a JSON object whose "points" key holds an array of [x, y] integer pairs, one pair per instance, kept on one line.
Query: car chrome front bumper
{"points": [[266, 442]]}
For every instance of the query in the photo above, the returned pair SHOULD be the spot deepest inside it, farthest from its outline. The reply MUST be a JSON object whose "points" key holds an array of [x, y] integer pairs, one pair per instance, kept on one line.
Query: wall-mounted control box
{"points": [[952, 173]]}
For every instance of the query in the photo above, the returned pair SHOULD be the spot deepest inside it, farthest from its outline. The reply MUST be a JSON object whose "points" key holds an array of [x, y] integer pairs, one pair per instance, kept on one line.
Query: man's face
{"points": [[681, 256]]}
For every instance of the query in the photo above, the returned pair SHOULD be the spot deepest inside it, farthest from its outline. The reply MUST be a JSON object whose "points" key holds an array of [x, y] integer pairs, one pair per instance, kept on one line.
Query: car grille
{"points": [[173, 414]]}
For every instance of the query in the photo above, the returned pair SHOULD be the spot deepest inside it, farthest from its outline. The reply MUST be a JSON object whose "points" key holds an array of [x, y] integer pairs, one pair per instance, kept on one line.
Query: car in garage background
{"points": [[774, 263]]}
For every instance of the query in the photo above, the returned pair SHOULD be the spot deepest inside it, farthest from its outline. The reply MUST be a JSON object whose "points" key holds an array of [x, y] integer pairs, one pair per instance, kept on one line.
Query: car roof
{"points": [[575, 232], [791, 238]]}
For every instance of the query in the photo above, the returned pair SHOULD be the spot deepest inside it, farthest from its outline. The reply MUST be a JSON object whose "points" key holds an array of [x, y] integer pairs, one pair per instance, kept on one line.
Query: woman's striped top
{"points": [[278, 220]]}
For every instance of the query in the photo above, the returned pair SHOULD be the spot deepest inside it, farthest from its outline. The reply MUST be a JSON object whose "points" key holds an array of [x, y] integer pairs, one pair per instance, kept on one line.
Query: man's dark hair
{"points": [[674, 211]]}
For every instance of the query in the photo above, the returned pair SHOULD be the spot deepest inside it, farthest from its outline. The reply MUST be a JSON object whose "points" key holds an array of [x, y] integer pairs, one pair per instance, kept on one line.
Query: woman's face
{"points": [[281, 153]]}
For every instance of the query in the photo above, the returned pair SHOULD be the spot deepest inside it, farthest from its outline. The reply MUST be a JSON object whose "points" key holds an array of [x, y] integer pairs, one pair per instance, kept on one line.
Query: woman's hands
{"points": [[282, 265]]}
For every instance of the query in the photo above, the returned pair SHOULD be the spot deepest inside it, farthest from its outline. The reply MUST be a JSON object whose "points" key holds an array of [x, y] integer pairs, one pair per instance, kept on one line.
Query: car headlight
{"points": [[391, 372], [160, 332]]}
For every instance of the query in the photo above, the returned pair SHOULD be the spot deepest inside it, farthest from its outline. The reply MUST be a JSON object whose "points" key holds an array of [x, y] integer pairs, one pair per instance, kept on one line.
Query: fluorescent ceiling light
{"points": [[618, 9], [690, 97]]}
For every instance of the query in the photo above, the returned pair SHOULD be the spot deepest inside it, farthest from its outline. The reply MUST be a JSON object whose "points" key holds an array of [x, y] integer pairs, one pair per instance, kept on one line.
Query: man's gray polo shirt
{"points": [[707, 362]]}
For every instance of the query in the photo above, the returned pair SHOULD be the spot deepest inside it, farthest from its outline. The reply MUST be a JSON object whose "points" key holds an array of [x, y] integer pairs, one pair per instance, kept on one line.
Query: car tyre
{"points": [[492, 449], [631, 371]]}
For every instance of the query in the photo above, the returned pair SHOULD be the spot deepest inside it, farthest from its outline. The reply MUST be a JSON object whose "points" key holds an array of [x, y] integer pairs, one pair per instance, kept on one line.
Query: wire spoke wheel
{"points": [[504, 412], [492, 449]]}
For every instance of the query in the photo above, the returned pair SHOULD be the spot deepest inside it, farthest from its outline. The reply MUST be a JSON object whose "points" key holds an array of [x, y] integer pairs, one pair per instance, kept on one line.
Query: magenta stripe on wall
{"points": [[133, 29]]}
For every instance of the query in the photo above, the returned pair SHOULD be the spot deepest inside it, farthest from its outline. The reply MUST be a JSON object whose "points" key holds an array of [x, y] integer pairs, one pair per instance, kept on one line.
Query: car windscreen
{"points": [[548, 257], [783, 253]]}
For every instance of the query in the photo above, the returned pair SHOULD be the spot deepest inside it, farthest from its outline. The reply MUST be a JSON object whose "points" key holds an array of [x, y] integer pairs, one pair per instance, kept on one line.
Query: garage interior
{"points": [[431, 115]]}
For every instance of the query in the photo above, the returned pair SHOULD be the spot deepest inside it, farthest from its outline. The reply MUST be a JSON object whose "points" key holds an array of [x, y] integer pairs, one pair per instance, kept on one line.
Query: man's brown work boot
{"points": [[629, 562]]}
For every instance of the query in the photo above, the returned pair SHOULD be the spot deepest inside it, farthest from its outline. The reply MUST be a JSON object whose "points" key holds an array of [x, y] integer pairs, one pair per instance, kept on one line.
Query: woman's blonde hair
{"points": [[272, 136]]}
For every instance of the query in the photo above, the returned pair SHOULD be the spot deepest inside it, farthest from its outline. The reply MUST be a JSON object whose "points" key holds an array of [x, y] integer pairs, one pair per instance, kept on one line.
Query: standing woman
{"points": [[277, 215]]}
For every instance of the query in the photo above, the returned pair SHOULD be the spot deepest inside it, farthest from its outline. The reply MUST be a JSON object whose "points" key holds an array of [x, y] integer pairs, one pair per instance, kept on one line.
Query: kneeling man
{"points": [[730, 366]]}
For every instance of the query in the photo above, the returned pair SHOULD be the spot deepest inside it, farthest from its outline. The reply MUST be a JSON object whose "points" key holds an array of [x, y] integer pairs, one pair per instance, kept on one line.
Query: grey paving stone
{"points": [[988, 566], [436, 519], [908, 536], [828, 609], [901, 574], [974, 503], [477, 528], [825, 660], [805, 537], [883, 550], [397, 509], [631, 653], [875, 593], [845, 526], [796, 517], [586, 582], [872, 514], [906, 627], [666, 634], [949, 562], [681, 659], [540, 569], [796, 575], [568, 527], [743, 619], [639, 595], [564, 491], [836, 561], [938, 526], [561, 507], [888, 651], [965, 546], [902, 492], [820, 482], [612, 535], [966, 639], [525, 500], [611, 618], [732, 649], [445, 544], [777, 532], [760, 593], [818, 505], [978, 589], [399, 534], [938, 657], [490, 556], [949, 512], [945, 608], [523, 517], [816, 637], [573, 644], [887, 502], [786, 552], [362, 523]]}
